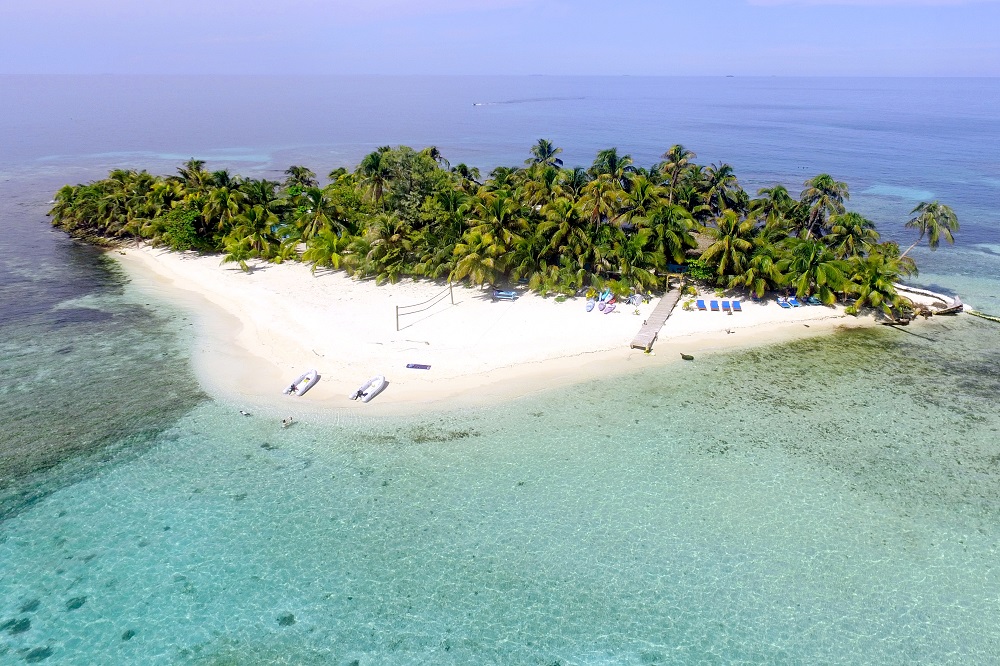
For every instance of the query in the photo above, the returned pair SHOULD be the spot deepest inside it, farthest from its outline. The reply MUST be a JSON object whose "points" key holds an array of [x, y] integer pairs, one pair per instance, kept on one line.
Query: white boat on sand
{"points": [[370, 388], [303, 383]]}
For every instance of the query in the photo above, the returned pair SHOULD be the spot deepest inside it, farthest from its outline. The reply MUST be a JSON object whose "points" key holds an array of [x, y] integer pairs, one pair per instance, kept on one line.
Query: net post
{"points": [[397, 319], [451, 293]]}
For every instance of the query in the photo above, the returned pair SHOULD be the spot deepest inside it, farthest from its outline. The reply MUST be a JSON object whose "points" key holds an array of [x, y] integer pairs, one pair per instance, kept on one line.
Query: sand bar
{"points": [[258, 331]]}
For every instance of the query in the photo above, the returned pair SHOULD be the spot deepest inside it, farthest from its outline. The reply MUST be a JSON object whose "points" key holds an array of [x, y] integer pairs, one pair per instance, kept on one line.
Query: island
{"points": [[536, 275]]}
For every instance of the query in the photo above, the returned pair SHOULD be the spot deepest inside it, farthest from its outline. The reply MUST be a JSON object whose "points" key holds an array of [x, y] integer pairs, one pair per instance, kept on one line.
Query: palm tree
{"points": [[851, 234], [723, 191], [733, 244], [641, 199], [480, 258], [573, 181], [566, 224], [318, 213], [811, 268], [222, 206], [238, 250], [873, 279], [674, 162], [761, 272], [326, 250], [375, 172], [824, 197], [544, 152], [256, 225], [193, 175], [498, 215], [468, 175], [670, 226], [618, 167], [389, 242], [934, 220], [636, 260], [300, 177]]}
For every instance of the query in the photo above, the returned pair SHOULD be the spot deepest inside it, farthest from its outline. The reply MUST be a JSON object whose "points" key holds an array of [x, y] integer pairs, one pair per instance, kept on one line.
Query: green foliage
{"points": [[179, 230], [699, 270], [408, 213]]}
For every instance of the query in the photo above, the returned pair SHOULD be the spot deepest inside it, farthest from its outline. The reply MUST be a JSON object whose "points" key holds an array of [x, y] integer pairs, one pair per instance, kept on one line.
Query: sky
{"points": [[482, 37]]}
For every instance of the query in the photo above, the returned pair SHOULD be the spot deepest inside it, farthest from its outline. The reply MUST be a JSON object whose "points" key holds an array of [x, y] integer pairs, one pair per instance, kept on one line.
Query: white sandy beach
{"points": [[259, 331]]}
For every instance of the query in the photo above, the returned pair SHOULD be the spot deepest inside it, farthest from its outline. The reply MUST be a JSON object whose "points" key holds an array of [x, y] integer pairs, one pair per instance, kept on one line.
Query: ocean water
{"points": [[830, 500]]}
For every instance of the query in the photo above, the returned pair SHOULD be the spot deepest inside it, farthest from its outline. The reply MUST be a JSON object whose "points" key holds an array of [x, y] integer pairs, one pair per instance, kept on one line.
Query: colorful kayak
{"points": [[590, 304], [609, 308]]}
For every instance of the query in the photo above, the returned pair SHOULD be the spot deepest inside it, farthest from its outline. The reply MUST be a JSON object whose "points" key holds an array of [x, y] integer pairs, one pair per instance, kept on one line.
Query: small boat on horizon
{"points": [[302, 383]]}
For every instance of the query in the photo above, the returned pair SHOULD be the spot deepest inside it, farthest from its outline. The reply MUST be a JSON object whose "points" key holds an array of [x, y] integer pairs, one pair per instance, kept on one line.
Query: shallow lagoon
{"points": [[763, 506]]}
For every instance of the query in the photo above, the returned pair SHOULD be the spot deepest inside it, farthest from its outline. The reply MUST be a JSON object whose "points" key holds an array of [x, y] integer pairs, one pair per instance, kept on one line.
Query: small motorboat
{"points": [[369, 389], [303, 383], [687, 357]]}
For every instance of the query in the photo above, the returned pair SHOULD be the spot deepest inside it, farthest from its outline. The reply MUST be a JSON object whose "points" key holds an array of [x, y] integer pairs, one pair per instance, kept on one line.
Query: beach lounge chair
{"points": [[725, 306], [812, 300], [782, 302], [794, 302], [714, 305], [737, 306], [701, 305], [504, 295]]}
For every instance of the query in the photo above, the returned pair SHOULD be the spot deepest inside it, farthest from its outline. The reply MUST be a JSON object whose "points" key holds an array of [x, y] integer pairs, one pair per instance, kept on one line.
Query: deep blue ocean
{"points": [[832, 500]]}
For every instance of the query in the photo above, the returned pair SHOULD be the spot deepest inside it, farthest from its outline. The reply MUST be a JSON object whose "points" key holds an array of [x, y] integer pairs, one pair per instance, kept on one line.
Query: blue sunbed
{"points": [[701, 305], [794, 302], [783, 303], [737, 307], [812, 300], [725, 306], [715, 306], [504, 295]]}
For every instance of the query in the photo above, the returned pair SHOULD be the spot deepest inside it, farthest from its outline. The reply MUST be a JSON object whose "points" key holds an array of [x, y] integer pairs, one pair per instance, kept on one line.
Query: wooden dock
{"points": [[646, 336]]}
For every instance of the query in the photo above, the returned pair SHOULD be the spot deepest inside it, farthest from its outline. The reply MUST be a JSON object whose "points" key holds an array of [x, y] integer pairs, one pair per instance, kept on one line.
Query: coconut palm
{"points": [[761, 272], [812, 268], [643, 197], [722, 189], [824, 197], [934, 220], [469, 176], [733, 245], [222, 205], [317, 212], [256, 224], [674, 162], [670, 226], [851, 234], [375, 172], [326, 250], [238, 251], [618, 167], [498, 215], [544, 152], [480, 258], [565, 225], [389, 240], [873, 278]]}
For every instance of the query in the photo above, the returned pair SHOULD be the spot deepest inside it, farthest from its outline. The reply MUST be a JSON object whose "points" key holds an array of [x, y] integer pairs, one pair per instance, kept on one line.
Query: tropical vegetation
{"points": [[404, 213]]}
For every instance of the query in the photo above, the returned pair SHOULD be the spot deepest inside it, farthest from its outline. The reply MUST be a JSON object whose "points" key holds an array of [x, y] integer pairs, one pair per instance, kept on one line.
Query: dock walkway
{"points": [[646, 336]]}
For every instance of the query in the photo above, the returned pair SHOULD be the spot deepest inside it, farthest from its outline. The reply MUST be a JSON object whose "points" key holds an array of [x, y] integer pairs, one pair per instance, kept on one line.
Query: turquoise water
{"points": [[783, 507], [832, 500]]}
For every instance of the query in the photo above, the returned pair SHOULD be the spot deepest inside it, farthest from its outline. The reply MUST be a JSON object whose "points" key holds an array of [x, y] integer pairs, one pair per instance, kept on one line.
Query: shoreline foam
{"points": [[258, 331]]}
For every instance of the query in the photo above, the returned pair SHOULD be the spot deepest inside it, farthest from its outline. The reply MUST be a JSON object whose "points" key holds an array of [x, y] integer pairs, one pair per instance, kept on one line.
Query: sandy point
{"points": [[258, 331]]}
